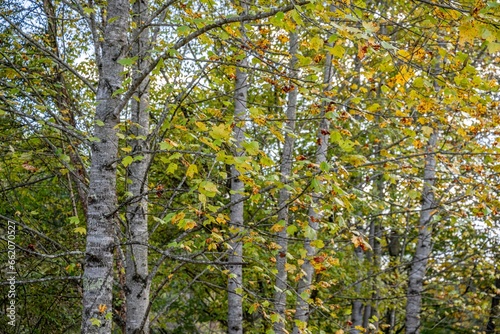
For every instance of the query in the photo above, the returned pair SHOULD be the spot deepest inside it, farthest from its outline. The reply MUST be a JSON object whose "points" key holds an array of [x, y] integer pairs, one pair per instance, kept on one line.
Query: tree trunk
{"points": [[136, 271], [236, 225], [424, 243], [494, 310], [373, 257], [394, 249], [284, 194], [98, 273], [357, 304], [304, 285]]}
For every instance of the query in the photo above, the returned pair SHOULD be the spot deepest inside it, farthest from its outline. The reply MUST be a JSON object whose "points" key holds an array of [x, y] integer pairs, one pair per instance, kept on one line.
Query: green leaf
{"points": [[335, 137], [127, 160], [192, 169], [208, 188], [127, 61], [280, 16], [413, 194], [290, 230], [418, 82], [310, 233], [493, 47], [95, 322], [158, 67], [324, 166], [251, 147], [64, 158], [171, 168], [220, 131], [337, 51], [316, 43], [318, 243], [99, 122], [266, 161], [88, 10], [315, 185], [80, 230], [183, 30], [252, 308]]}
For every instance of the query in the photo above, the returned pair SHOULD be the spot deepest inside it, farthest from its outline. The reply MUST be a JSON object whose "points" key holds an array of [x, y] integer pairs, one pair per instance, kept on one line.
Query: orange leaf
{"points": [[102, 308]]}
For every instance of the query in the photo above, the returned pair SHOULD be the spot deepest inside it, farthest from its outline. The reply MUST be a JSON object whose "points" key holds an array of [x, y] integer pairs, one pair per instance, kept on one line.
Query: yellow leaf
{"points": [[178, 217], [189, 225], [418, 144], [180, 127], [201, 126], [192, 169], [422, 120], [404, 54], [222, 219], [337, 51], [427, 130], [209, 143], [277, 227], [260, 121], [316, 43], [220, 131], [462, 132], [80, 230], [126, 149]]}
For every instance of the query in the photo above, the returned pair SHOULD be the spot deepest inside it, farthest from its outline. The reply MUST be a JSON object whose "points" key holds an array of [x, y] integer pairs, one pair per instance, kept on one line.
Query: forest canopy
{"points": [[257, 166]]}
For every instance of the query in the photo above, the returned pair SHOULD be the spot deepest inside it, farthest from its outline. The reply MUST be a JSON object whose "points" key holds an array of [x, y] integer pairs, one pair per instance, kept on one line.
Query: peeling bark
{"points": [[357, 304], [315, 215], [284, 194], [98, 273], [424, 243], [137, 285], [236, 225]]}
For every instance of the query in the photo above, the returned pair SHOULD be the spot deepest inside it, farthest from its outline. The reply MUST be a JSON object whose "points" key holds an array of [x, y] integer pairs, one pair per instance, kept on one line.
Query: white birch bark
{"points": [[424, 243], [304, 285], [98, 272], [373, 256], [284, 194], [136, 271], [357, 304], [236, 225]]}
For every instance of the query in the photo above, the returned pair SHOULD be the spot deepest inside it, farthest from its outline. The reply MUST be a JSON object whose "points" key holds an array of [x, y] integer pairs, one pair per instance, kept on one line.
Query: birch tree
{"points": [[281, 284], [237, 219], [137, 282], [98, 272], [424, 241], [314, 213]]}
